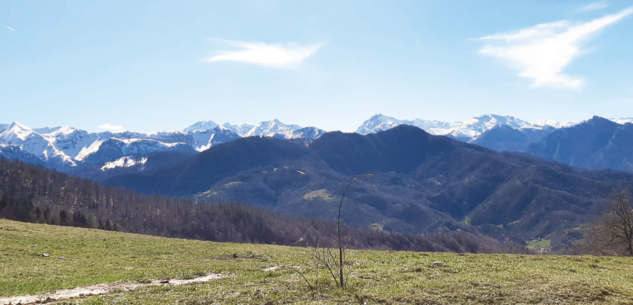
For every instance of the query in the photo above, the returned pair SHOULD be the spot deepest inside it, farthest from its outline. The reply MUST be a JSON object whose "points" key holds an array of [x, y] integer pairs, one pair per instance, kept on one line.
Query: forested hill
{"points": [[36, 194], [422, 183]]}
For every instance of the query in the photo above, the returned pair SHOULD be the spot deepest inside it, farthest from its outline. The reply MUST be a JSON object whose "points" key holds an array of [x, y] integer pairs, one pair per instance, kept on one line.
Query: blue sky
{"points": [[163, 65]]}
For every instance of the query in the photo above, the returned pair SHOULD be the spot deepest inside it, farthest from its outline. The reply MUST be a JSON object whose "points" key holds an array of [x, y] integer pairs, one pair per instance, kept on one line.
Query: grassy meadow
{"points": [[79, 257]]}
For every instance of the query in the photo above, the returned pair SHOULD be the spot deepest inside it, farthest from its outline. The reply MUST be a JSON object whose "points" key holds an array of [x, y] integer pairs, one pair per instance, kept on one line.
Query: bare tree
{"points": [[334, 264], [612, 233], [341, 248]]}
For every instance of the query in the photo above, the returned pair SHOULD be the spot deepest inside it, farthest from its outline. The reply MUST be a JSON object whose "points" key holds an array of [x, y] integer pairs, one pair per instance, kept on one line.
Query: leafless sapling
{"points": [[341, 248]]}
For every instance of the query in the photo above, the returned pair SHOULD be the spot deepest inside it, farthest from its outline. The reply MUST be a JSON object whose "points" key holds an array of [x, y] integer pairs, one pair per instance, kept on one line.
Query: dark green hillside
{"points": [[200, 172], [423, 183], [35, 194], [401, 151], [155, 160]]}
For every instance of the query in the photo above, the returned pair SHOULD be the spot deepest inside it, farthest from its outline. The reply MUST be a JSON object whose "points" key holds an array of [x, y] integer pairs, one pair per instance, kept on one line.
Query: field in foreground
{"points": [[377, 277]]}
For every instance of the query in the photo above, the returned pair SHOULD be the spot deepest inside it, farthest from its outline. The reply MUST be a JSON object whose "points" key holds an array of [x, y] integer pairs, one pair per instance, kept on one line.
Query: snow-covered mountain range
{"points": [[493, 131], [501, 133], [71, 150], [380, 122], [463, 131]]}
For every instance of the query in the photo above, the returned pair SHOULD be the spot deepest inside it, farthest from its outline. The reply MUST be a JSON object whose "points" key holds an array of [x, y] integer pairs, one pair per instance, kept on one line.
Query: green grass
{"points": [[378, 277], [536, 244]]}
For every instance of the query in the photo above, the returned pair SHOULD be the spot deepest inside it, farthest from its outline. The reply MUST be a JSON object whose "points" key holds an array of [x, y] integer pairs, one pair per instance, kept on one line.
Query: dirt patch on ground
{"points": [[236, 256], [100, 289]]}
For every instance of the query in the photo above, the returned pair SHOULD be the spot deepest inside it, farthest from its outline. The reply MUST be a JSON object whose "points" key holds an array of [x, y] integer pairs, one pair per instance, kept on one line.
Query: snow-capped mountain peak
{"points": [[381, 122], [223, 128], [239, 129], [16, 130], [378, 122], [488, 121], [55, 131], [34, 143], [271, 128], [202, 125], [205, 139], [477, 125]]}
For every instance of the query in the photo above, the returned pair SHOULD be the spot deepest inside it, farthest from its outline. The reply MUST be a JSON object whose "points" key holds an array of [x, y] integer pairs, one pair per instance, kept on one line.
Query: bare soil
{"points": [[101, 289]]}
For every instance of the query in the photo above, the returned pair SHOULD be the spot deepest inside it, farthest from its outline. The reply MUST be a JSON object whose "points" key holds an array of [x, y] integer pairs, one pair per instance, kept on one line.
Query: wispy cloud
{"points": [[111, 127], [268, 55], [542, 52], [594, 6], [10, 28]]}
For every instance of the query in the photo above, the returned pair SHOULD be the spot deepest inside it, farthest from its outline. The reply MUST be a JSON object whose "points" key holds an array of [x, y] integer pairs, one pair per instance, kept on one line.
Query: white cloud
{"points": [[111, 127], [10, 28], [542, 52], [268, 55], [594, 6]]}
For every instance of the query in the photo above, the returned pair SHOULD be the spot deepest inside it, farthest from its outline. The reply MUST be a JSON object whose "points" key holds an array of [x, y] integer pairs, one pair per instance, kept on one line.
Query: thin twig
{"points": [[338, 228], [303, 276]]}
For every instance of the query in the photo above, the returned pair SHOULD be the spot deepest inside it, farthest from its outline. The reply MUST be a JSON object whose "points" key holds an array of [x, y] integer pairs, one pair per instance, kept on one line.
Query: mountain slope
{"points": [[32, 142], [422, 182], [15, 152], [204, 139], [477, 125], [202, 171], [597, 143], [35, 194], [134, 163], [506, 138], [116, 148]]}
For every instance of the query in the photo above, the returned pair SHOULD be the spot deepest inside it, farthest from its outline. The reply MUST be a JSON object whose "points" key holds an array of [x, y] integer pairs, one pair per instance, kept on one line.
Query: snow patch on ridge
{"points": [[622, 120], [86, 151], [123, 162]]}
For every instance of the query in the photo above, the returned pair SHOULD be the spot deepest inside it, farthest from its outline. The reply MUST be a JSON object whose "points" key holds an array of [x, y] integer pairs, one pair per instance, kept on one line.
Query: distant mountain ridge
{"points": [[71, 150], [597, 143], [506, 138], [380, 122], [463, 131]]}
